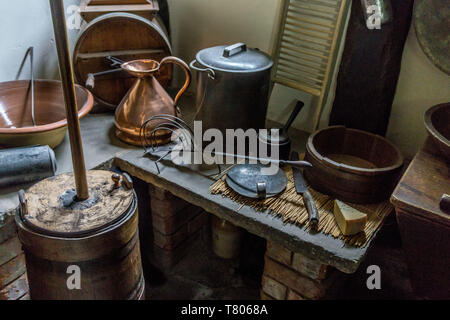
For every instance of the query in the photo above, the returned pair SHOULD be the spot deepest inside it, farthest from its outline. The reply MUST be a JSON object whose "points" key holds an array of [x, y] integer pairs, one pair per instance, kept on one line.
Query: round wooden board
{"points": [[46, 211], [124, 36]]}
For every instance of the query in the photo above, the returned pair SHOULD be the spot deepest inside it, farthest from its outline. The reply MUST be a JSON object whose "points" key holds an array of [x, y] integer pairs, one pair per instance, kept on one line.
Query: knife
{"points": [[301, 188]]}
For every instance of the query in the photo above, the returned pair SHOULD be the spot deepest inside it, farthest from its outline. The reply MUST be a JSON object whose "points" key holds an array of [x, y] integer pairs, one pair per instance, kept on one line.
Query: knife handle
{"points": [[311, 208]]}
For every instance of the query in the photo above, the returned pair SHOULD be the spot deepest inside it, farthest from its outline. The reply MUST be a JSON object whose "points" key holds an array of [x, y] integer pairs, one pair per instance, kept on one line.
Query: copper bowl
{"points": [[437, 122], [16, 126]]}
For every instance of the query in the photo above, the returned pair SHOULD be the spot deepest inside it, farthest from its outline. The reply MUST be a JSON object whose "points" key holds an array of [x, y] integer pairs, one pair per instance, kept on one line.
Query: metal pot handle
{"points": [[186, 70], [211, 73], [232, 50]]}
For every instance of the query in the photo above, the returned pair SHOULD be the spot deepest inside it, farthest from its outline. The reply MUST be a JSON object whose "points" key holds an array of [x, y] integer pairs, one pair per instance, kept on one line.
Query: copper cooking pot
{"points": [[147, 98]]}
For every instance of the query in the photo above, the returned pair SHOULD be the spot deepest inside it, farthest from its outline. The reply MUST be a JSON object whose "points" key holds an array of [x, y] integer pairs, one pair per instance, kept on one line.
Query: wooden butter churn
{"points": [[82, 224]]}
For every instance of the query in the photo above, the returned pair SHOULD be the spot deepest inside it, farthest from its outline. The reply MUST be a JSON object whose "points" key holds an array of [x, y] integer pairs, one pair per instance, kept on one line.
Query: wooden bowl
{"points": [[352, 165], [16, 126], [437, 122]]}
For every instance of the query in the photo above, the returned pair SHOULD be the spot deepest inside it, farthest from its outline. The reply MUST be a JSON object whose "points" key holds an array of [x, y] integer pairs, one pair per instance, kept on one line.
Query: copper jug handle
{"points": [[187, 73]]}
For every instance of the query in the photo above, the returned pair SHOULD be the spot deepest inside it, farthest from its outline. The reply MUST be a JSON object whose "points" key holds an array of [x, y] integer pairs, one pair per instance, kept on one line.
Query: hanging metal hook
{"points": [[29, 53]]}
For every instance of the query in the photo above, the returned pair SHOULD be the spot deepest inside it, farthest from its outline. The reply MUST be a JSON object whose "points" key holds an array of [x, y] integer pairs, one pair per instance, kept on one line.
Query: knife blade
{"points": [[302, 189]]}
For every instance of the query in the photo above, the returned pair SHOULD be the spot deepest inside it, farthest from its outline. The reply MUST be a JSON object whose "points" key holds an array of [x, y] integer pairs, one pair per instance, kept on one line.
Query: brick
{"points": [[8, 227], [26, 297], [160, 194], [12, 270], [169, 225], [168, 258], [265, 296], [16, 289], [170, 242], [292, 295], [274, 288], [197, 222], [10, 249], [306, 287], [309, 267], [279, 253], [167, 208]]}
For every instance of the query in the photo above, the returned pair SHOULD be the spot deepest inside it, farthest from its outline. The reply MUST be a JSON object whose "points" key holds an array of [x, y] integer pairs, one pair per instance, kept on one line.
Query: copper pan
{"points": [[16, 126]]}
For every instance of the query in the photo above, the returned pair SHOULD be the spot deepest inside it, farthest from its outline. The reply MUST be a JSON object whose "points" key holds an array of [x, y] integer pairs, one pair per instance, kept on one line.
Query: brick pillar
{"points": [[175, 223], [292, 276]]}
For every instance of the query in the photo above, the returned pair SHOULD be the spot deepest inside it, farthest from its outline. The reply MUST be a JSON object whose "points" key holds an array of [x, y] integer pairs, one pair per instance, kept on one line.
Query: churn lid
{"points": [[234, 58], [49, 206]]}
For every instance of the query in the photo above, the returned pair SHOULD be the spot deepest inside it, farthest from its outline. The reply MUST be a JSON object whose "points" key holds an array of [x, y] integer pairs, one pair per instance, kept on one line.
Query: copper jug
{"points": [[147, 98]]}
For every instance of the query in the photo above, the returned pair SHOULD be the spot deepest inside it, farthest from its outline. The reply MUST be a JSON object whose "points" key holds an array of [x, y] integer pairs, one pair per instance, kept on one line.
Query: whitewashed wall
{"points": [[25, 23]]}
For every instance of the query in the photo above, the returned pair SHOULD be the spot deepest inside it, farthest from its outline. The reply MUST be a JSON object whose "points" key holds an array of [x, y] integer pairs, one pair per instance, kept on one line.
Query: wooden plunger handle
{"points": [[73, 124], [187, 73]]}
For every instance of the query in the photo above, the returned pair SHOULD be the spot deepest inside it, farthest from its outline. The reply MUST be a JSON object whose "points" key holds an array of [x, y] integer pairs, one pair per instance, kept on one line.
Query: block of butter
{"points": [[349, 220]]}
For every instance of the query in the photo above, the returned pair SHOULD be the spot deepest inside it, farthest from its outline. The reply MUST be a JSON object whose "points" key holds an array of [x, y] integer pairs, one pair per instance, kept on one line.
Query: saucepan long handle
{"points": [[311, 208], [187, 73], [90, 81]]}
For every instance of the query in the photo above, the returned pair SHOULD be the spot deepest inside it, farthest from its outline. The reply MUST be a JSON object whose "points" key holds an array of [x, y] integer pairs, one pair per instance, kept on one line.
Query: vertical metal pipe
{"points": [[65, 68]]}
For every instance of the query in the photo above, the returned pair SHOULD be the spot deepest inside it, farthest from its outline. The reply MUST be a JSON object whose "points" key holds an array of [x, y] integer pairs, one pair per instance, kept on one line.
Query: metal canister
{"points": [[26, 164], [232, 87]]}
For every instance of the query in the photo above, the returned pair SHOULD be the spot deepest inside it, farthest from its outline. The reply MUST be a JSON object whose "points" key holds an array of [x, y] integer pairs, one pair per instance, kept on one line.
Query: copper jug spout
{"points": [[145, 99]]}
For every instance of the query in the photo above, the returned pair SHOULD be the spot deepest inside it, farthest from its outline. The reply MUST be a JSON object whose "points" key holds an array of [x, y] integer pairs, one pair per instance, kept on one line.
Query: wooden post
{"points": [[65, 67], [369, 70]]}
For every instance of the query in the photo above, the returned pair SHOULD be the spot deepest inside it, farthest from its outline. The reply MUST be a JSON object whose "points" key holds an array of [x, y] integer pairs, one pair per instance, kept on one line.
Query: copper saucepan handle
{"points": [[187, 73]]}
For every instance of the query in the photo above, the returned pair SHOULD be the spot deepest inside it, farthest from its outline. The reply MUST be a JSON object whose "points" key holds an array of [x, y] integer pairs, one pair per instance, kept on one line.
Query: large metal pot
{"points": [[232, 87]]}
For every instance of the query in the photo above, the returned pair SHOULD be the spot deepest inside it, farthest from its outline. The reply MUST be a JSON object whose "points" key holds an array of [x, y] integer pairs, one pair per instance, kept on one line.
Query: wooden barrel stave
{"points": [[115, 277]]}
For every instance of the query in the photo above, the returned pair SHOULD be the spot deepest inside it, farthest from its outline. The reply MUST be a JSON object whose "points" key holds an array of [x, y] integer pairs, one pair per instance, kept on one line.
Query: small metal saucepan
{"points": [[248, 181], [282, 140]]}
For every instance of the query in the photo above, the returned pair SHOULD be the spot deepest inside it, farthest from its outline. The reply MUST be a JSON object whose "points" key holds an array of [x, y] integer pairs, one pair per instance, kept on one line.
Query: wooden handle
{"points": [[187, 73], [311, 208], [73, 123]]}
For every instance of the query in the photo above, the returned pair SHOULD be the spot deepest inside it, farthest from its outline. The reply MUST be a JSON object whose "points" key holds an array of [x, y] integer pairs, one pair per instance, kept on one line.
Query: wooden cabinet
{"points": [[424, 226]]}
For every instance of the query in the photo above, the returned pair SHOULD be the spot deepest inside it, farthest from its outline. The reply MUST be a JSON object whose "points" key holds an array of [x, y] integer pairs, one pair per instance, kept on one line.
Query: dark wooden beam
{"points": [[370, 69]]}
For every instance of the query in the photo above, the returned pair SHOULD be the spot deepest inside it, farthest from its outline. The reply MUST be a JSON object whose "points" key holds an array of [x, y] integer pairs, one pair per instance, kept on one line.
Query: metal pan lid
{"points": [[234, 58]]}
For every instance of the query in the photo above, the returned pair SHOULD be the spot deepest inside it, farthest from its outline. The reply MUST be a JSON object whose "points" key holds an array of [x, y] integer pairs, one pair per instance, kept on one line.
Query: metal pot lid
{"points": [[234, 58], [248, 181]]}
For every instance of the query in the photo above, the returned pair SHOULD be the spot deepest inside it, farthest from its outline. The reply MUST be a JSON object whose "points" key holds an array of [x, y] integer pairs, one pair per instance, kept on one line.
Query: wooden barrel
{"points": [[352, 165], [124, 36], [96, 240]]}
